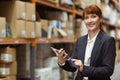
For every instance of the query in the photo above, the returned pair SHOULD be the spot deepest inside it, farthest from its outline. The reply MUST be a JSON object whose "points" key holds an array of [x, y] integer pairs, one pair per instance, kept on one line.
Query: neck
{"points": [[92, 33]]}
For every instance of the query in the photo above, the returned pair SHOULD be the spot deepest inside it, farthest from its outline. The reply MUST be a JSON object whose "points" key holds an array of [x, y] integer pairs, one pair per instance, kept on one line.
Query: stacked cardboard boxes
{"points": [[8, 63], [20, 15]]}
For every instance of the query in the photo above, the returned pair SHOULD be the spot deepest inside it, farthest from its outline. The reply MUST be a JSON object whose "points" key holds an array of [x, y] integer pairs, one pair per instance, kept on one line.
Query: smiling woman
{"points": [[94, 54]]}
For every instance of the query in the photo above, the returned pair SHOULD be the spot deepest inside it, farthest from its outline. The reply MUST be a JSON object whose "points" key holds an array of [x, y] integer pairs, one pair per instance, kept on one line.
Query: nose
{"points": [[89, 20]]}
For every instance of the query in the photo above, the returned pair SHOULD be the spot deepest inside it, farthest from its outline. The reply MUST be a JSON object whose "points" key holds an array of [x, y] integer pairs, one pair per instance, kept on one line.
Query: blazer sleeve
{"points": [[108, 60]]}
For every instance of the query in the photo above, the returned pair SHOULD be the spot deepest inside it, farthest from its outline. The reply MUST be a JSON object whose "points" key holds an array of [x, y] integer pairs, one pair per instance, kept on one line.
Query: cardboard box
{"points": [[7, 55], [44, 27], [30, 11], [38, 29], [18, 29], [4, 70], [2, 27], [13, 68], [9, 78], [30, 29], [13, 77], [8, 69], [20, 10], [44, 24], [13, 10]]}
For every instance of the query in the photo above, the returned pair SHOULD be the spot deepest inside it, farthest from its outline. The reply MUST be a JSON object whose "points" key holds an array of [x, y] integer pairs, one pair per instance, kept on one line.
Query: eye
{"points": [[93, 16]]}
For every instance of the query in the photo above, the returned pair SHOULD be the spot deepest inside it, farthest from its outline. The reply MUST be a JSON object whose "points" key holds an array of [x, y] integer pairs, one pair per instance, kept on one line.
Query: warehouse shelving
{"points": [[13, 41], [68, 9], [56, 40], [109, 25], [34, 41]]}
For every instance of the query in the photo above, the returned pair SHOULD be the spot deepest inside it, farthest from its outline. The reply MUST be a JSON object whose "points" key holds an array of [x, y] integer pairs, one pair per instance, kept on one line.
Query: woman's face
{"points": [[92, 22]]}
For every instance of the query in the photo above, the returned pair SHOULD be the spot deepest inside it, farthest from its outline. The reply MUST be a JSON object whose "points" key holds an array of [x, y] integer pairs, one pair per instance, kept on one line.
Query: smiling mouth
{"points": [[90, 25]]}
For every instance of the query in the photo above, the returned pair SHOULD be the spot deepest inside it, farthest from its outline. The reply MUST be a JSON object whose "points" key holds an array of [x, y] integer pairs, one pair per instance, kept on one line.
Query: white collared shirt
{"points": [[88, 51]]}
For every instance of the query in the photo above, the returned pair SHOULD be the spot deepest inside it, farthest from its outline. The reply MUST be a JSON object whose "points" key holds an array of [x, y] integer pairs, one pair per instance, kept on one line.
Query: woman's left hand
{"points": [[78, 63]]}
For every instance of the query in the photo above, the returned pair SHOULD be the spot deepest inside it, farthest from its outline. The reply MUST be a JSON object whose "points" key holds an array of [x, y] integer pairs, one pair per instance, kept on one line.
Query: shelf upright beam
{"points": [[32, 58], [33, 1]]}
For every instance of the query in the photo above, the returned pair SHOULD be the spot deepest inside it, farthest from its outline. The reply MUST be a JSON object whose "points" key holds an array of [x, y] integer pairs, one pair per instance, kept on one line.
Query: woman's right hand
{"points": [[61, 56]]}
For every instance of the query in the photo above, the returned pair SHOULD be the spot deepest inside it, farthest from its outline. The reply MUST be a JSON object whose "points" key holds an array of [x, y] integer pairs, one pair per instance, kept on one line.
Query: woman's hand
{"points": [[78, 63], [61, 56]]}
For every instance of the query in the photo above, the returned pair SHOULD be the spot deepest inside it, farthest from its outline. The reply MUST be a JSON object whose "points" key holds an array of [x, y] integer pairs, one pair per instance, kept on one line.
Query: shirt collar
{"points": [[94, 38]]}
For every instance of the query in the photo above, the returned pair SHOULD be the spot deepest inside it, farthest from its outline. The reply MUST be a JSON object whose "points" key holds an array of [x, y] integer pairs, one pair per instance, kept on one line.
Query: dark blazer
{"points": [[102, 58]]}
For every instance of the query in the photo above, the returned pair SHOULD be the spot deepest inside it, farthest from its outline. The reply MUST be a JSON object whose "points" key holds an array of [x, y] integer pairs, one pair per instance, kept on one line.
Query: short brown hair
{"points": [[92, 9]]}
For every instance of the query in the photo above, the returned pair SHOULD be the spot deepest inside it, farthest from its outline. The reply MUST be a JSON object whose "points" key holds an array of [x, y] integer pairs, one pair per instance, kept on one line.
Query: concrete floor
{"points": [[116, 74]]}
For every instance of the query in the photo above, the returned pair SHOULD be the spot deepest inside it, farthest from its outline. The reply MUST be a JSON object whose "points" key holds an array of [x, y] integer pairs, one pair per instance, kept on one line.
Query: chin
{"points": [[91, 29]]}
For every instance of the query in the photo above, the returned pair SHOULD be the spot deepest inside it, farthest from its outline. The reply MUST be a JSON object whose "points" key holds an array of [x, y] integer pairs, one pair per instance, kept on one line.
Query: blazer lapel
{"points": [[96, 48], [83, 48]]}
